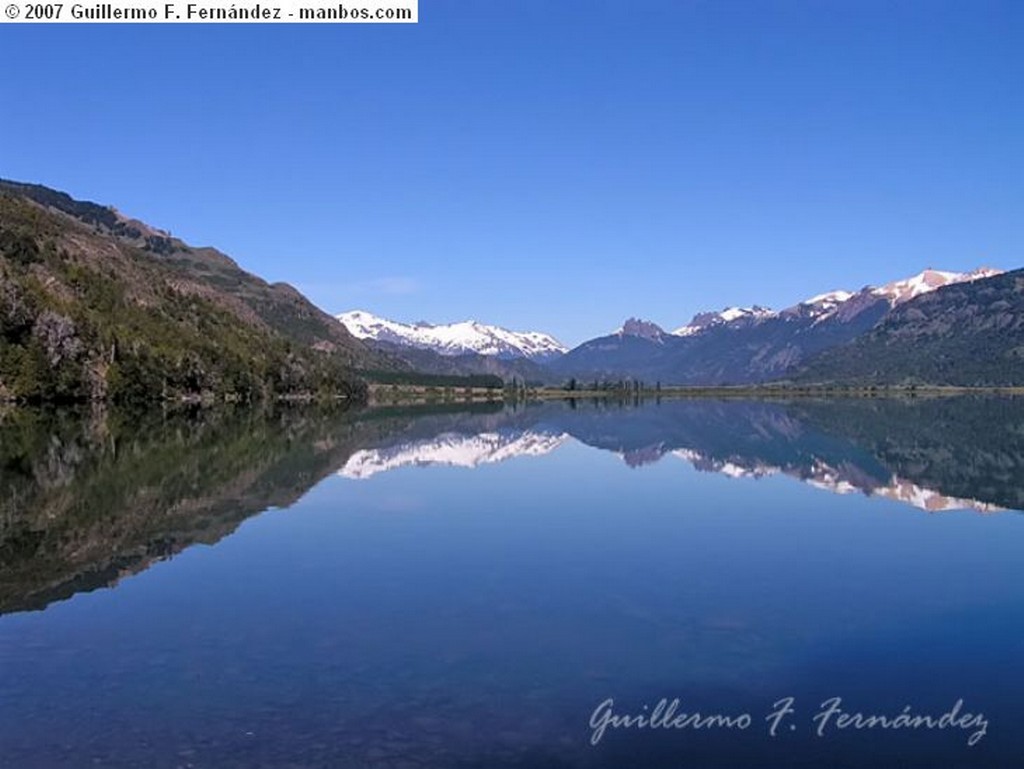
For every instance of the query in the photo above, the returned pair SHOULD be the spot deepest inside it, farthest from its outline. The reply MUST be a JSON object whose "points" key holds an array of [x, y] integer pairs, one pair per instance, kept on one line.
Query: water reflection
{"points": [[396, 616], [90, 497], [933, 454]]}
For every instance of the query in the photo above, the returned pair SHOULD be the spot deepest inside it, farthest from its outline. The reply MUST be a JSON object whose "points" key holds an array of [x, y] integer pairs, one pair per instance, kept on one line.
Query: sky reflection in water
{"points": [[392, 611]]}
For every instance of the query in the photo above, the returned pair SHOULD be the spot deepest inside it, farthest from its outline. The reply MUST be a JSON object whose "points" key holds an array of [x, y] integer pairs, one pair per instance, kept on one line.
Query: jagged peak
{"points": [[638, 327]]}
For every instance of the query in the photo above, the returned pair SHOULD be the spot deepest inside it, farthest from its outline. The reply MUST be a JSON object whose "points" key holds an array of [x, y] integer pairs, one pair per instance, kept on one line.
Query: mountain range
{"points": [[467, 337], [749, 345], [836, 336], [95, 305], [466, 348]]}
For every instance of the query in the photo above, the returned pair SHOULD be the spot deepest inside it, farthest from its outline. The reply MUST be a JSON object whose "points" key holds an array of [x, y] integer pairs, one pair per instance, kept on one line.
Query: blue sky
{"points": [[548, 165]]}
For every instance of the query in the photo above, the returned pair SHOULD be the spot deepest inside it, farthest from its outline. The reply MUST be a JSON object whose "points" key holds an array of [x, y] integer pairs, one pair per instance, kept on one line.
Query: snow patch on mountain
{"points": [[900, 291], [832, 297], [705, 320], [454, 338], [833, 303]]}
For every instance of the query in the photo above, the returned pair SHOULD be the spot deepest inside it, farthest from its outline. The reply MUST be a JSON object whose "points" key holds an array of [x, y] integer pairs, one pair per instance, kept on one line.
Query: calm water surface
{"points": [[465, 587]]}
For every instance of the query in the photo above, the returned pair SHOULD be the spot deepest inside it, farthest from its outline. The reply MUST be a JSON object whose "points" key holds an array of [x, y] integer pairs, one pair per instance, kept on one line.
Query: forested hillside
{"points": [[97, 306]]}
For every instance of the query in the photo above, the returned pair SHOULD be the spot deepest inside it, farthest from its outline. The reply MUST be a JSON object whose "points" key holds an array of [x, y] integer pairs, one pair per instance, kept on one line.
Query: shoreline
{"points": [[418, 394], [391, 394]]}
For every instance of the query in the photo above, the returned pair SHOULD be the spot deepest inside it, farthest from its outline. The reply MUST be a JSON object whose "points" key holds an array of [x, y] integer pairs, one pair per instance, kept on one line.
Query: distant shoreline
{"points": [[417, 394], [812, 390], [405, 394]]}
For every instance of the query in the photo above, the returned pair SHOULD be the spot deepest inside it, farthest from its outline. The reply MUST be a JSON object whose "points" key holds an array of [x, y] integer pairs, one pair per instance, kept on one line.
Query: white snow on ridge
{"points": [[452, 450], [823, 306], [473, 337], [453, 338], [900, 291], [832, 297], [732, 313], [705, 320]]}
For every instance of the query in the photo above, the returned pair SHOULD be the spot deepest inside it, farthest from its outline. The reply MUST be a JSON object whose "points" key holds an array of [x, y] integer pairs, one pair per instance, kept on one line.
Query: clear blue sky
{"points": [[548, 165]]}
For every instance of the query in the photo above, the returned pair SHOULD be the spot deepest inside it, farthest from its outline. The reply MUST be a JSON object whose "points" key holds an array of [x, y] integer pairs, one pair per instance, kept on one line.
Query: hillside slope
{"points": [[95, 305], [967, 334], [469, 364]]}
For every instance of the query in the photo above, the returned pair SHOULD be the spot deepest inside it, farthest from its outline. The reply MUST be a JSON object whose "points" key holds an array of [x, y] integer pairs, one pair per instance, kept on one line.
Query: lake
{"points": [[684, 583]]}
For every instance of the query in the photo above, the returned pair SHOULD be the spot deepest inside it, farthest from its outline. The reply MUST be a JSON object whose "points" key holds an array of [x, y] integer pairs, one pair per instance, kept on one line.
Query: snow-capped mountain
{"points": [[840, 304], [454, 338], [900, 291], [705, 320], [453, 450], [845, 304], [822, 305], [751, 344]]}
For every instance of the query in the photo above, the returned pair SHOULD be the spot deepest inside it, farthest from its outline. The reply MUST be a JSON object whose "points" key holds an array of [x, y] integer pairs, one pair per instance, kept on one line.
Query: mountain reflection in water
{"points": [[87, 498], [365, 600], [839, 446]]}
